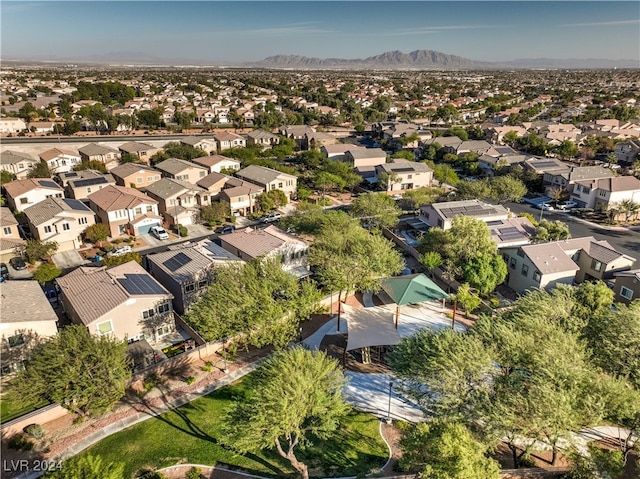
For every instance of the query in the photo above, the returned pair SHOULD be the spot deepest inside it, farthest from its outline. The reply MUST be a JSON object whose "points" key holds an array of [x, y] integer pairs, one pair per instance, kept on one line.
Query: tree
{"points": [[270, 200], [46, 273], [215, 213], [567, 149], [178, 150], [150, 118], [630, 208], [87, 466], [129, 158], [86, 374], [326, 181], [446, 450], [311, 409], [485, 272], [507, 188], [468, 299], [378, 210], [551, 231], [386, 180], [40, 170], [471, 190], [125, 258], [91, 165], [431, 260], [6, 177], [414, 199], [36, 250], [97, 232]]}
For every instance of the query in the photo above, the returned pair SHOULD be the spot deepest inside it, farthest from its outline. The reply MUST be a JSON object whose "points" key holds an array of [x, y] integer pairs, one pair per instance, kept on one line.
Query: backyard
{"points": [[189, 433]]}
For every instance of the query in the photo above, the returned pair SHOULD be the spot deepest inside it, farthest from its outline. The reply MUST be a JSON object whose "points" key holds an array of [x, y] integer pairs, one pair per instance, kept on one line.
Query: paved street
{"points": [[627, 242]]}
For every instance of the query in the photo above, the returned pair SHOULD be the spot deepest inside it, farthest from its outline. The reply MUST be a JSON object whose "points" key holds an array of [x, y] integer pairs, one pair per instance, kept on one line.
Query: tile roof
{"points": [[359, 153], [257, 134], [112, 197], [52, 207], [55, 152], [19, 187], [227, 136], [10, 157], [549, 258], [580, 173], [93, 292], [212, 160], [260, 174], [211, 179], [401, 166], [619, 183], [24, 301], [9, 244], [259, 242], [93, 149], [6, 217], [174, 166], [168, 187], [135, 147], [122, 171]]}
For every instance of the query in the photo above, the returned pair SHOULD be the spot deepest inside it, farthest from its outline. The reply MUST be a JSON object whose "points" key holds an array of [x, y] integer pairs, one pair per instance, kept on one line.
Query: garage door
{"points": [[143, 230]]}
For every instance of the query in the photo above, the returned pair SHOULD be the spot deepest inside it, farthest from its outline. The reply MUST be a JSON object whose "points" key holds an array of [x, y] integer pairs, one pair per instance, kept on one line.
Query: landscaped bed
{"points": [[188, 435]]}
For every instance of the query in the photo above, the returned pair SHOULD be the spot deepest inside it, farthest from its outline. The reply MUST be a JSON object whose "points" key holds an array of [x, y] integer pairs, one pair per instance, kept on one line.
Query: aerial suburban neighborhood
{"points": [[312, 267]]}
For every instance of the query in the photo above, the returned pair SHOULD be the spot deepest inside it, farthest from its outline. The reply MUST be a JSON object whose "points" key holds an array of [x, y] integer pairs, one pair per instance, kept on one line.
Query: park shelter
{"points": [[369, 327], [411, 289]]}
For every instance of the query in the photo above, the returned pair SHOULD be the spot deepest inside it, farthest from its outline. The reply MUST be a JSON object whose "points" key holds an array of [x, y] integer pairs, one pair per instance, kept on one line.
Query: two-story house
{"points": [[298, 133], [263, 138], [127, 211], [441, 215], [566, 180], [12, 125], [125, 302], [365, 157], [106, 155], [546, 265], [182, 170], [601, 193], [628, 151], [85, 183], [402, 175], [135, 176], [214, 183], [270, 179], [241, 196], [142, 150], [627, 286], [215, 163], [59, 160], [27, 318], [10, 239], [226, 140], [24, 193], [204, 144], [62, 220], [178, 201], [16, 163], [270, 242]]}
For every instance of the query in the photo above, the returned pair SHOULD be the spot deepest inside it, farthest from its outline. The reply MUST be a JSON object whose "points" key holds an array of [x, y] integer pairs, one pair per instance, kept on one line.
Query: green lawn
{"points": [[10, 409], [188, 435]]}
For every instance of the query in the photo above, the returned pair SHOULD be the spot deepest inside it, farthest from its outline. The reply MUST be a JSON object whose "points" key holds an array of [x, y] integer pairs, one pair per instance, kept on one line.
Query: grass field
{"points": [[188, 435], [11, 409]]}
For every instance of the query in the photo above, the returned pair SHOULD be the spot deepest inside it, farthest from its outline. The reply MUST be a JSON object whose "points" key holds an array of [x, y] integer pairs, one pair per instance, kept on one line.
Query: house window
{"points": [[139, 179], [47, 229], [88, 189], [520, 252], [202, 174], [536, 276], [149, 178], [104, 328], [596, 265], [602, 193], [409, 177], [149, 209], [513, 263], [138, 211], [626, 293], [172, 202], [66, 227], [189, 287], [17, 340], [7, 230], [163, 330], [24, 201], [525, 270], [82, 221], [148, 313], [164, 308], [202, 283]]}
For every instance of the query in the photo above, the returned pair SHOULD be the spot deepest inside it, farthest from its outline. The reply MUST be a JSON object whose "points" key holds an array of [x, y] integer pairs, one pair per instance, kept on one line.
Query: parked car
{"points": [[18, 263], [270, 218], [159, 232], [566, 205], [121, 251], [225, 229], [544, 206], [4, 272]]}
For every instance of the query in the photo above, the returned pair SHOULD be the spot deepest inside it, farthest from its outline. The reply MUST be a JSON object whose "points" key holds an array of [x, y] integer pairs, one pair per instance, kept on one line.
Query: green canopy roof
{"points": [[411, 289]]}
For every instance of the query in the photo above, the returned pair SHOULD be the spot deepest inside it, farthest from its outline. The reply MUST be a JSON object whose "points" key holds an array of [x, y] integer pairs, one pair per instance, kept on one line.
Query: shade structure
{"points": [[370, 327], [412, 289]]}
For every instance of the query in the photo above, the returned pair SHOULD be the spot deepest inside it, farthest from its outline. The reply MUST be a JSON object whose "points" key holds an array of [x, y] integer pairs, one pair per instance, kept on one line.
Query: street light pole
{"points": [[388, 421]]}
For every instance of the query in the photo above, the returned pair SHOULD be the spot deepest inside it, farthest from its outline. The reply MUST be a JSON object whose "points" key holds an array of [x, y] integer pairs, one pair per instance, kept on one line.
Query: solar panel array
{"points": [[176, 262], [510, 233], [545, 164], [75, 204], [90, 181], [140, 284], [49, 184], [70, 174], [471, 210]]}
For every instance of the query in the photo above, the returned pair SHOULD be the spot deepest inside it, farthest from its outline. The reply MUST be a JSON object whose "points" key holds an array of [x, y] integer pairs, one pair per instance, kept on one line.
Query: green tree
{"points": [[125, 258], [86, 374], [150, 118], [36, 250], [311, 409], [551, 231], [175, 149], [87, 466], [431, 260], [40, 170], [326, 181], [97, 232], [6, 177], [91, 165], [446, 450], [567, 149], [270, 200], [485, 272], [129, 158], [378, 210], [471, 190], [46, 273], [215, 213], [414, 199], [468, 299], [507, 188]]}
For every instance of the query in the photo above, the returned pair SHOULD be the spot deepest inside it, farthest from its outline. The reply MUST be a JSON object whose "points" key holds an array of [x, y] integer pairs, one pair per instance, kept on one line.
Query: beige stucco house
{"points": [[22, 194], [135, 176], [270, 179], [182, 170]]}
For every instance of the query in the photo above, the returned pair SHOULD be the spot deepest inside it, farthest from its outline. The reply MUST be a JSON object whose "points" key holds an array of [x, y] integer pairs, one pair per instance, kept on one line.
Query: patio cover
{"points": [[412, 289], [370, 327]]}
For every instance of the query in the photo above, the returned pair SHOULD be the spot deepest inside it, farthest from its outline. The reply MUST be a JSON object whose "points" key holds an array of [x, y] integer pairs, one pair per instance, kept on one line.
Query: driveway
{"points": [[198, 231], [69, 259], [22, 274]]}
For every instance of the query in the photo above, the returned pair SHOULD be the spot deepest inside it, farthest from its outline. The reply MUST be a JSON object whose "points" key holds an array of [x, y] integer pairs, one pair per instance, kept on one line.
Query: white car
{"points": [[159, 232], [271, 218], [544, 206], [121, 251], [566, 205]]}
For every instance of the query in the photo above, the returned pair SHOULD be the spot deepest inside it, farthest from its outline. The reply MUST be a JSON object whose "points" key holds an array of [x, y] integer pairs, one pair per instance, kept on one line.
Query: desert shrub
{"points": [[36, 431]]}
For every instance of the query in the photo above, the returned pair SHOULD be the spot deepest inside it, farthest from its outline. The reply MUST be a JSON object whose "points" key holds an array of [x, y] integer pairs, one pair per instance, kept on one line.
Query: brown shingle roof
{"points": [[257, 243], [212, 160], [112, 197], [619, 183], [19, 187], [55, 152], [6, 217]]}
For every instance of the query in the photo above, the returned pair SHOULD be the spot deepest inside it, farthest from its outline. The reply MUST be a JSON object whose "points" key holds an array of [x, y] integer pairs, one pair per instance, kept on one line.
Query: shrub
{"points": [[190, 380], [194, 473], [117, 241], [181, 230], [208, 366], [151, 382], [108, 247], [36, 431], [20, 443]]}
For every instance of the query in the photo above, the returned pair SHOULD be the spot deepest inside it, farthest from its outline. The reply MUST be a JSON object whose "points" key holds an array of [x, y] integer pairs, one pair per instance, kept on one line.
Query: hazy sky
{"points": [[211, 31]]}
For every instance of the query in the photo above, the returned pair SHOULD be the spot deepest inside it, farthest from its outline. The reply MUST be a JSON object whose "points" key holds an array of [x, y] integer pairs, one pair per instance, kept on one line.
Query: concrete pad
{"points": [[198, 231], [69, 259], [22, 274]]}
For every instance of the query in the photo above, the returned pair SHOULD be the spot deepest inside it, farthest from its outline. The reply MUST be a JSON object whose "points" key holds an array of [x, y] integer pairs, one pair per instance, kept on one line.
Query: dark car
{"points": [[4, 272], [226, 229], [17, 263]]}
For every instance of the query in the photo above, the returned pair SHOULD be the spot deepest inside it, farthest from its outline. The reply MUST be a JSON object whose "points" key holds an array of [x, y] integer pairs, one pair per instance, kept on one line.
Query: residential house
{"points": [[178, 201], [127, 211], [269, 179], [215, 163], [490, 164], [42, 126], [480, 147], [627, 286], [182, 170], [318, 139], [241, 196], [628, 152], [270, 242], [27, 316], [186, 271], [59, 160], [365, 157], [214, 184], [142, 150], [10, 239], [226, 140], [12, 125], [496, 134], [263, 138], [441, 215], [125, 302], [402, 175], [104, 154], [62, 220], [550, 166], [24, 193], [135, 176], [297, 133], [566, 179], [16, 163], [517, 231], [85, 183], [546, 265], [204, 144], [600, 194], [339, 151]]}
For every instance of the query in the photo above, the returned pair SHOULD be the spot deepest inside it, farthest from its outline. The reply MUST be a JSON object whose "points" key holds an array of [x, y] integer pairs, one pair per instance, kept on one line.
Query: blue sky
{"points": [[240, 31]]}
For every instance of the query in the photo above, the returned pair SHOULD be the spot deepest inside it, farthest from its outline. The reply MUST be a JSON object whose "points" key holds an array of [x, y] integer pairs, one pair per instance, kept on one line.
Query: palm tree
{"points": [[630, 208]]}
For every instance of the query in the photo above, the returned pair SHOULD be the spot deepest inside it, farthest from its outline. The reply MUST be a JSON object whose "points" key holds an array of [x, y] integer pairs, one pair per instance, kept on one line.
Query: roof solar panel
{"points": [[49, 184], [75, 204], [509, 230], [511, 236], [140, 284], [176, 262], [89, 181], [71, 174]]}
